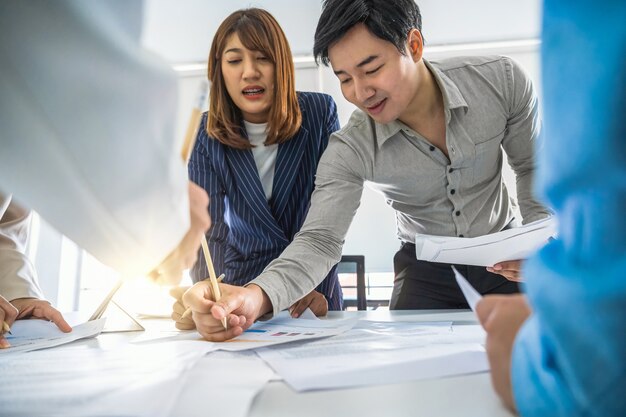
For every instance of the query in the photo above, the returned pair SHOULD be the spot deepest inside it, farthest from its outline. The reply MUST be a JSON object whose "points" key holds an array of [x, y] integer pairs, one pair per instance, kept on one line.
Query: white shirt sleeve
{"points": [[17, 273], [88, 120]]}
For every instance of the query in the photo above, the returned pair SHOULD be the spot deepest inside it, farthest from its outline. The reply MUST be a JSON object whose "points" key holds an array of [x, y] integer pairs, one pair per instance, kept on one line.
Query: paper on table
{"points": [[375, 353], [87, 381], [40, 334], [284, 329], [281, 329], [488, 250], [242, 376], [471, 295]]}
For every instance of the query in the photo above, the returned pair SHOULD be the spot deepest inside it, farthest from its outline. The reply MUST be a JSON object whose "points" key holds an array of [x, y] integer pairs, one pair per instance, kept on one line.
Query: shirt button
{"points": [[450, 170], [432, 148], [458, 213], [452, 191]]}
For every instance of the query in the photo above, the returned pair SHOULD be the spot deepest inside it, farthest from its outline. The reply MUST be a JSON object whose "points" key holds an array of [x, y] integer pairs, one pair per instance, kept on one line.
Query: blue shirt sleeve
{"points": [[569, 357]]}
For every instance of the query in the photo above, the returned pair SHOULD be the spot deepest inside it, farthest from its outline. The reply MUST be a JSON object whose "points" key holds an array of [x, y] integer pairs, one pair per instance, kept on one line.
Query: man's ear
{"points": [[415, 43]]}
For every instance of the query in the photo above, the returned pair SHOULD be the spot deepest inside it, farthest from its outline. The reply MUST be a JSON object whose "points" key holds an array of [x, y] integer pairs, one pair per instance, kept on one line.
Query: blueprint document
{"points": [[374, 353], [488, 250]]}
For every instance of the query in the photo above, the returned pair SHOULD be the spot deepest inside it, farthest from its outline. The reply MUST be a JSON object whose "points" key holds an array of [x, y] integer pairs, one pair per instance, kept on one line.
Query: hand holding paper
{"points": [[510, 270]]}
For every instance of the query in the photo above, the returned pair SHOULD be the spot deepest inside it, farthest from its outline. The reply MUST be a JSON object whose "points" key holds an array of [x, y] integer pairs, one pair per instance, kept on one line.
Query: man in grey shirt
{"points": [[429, 136]]}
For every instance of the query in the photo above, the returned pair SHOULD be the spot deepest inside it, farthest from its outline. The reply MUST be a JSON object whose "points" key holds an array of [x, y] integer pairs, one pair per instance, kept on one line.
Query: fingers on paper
{"points": [[298, 307], [57, 318], [41, 309]]}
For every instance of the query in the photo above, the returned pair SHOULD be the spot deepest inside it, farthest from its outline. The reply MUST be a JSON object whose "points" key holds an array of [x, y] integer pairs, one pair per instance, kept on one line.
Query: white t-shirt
{"points": [[264, 156]]}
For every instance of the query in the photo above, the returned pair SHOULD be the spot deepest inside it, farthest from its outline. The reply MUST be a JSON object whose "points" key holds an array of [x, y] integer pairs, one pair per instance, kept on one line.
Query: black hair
{"points": [[390, 20]]}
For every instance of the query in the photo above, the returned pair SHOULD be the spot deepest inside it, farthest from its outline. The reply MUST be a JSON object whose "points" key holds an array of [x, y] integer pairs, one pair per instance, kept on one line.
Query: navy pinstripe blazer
{"points": [[247, 230]]}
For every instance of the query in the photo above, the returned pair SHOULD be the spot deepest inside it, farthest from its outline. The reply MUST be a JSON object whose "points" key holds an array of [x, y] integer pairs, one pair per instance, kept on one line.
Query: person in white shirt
{"points": [[87, 137], [20, 295]]}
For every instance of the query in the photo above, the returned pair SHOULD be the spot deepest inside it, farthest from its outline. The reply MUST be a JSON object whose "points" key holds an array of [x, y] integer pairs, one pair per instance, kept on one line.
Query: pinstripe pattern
{"points": [[248, 231]]}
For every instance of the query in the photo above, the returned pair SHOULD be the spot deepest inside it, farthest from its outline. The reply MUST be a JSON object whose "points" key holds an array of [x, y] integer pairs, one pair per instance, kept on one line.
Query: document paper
{"points": [[471, 295], [375, 353], [488, 250], [85, 381], [37, 334], [279, 330]]}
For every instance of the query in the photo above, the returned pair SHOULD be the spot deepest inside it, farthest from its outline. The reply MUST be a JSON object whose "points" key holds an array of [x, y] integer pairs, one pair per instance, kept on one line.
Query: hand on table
{"points": [[313, 300], [33, 308]]}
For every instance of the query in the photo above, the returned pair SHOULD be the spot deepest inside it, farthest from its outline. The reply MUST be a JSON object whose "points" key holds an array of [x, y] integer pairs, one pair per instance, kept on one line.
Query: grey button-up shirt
{"points": [[490, 106]]}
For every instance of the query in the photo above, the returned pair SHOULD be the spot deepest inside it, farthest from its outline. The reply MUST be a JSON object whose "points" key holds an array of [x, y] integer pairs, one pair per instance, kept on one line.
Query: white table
{"points": [[470, 395]]}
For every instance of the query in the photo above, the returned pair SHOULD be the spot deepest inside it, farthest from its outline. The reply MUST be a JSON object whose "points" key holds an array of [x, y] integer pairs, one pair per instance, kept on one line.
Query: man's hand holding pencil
{"points": [[240, 306], [180, 313]]}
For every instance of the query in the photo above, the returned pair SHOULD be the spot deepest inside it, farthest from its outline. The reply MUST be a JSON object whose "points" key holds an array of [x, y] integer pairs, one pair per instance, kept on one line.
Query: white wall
{"points": [[182, 30]]}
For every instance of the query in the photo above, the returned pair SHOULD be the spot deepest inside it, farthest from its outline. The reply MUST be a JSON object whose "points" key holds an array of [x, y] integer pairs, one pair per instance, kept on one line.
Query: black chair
{"points": [[352, 264]]}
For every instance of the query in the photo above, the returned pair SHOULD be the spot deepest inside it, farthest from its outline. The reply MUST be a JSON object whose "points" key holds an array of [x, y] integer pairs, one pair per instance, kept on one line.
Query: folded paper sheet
{"points": [[507, 245]]}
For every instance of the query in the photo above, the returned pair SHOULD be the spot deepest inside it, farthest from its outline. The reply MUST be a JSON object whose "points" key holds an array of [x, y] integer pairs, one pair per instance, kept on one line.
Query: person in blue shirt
{"points": [[562, 350], [256, 154]]}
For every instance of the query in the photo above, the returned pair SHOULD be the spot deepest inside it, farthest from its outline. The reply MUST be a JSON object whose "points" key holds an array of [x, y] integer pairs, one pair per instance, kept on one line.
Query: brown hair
{"points": [[258, 31]]}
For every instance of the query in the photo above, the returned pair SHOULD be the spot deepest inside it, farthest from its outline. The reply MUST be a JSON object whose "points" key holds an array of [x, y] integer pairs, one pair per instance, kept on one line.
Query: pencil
{"points": [[188, 144], [5, 327]]}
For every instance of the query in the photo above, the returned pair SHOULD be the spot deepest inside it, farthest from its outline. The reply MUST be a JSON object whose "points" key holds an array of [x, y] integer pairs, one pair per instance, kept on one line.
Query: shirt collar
{"points": [[452, 99]]}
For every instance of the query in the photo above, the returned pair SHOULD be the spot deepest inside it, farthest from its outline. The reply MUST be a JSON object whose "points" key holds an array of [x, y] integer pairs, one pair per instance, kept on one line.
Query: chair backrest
{"points": [[355, 263]]}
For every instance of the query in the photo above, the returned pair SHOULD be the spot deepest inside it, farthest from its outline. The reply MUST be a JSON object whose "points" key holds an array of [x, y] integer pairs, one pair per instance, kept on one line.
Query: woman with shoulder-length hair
{"points": [[256, 154]]}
